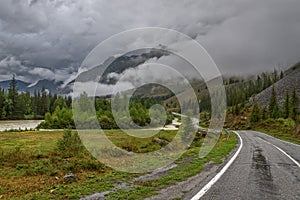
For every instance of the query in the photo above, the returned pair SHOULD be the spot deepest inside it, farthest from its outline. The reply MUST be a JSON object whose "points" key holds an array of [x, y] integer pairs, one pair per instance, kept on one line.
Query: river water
{"points": [[19, 124]]}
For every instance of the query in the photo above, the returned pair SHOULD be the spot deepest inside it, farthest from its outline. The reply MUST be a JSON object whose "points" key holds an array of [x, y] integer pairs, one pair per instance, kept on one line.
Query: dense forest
{"points": [[239, 91], [16, 105], [57, 110]]}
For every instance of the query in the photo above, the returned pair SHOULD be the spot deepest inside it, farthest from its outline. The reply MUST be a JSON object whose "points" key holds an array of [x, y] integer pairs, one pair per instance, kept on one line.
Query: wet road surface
{"points": [[261, 171]]}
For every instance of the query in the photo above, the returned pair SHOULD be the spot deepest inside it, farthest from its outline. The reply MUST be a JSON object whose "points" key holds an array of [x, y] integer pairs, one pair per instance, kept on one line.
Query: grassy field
{"points": [[33, 166]]}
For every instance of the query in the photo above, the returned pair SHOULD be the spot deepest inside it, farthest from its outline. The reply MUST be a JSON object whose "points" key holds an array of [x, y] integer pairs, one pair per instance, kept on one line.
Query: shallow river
{"points": [[19, 124]]}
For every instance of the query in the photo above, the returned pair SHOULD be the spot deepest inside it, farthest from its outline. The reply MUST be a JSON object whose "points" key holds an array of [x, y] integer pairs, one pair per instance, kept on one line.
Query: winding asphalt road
{"points": [[265, 168]]}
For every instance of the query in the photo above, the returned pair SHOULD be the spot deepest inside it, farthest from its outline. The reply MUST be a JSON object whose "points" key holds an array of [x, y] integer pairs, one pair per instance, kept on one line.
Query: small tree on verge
{"points": [[70, 144], [286, 105], [273, 106], [264, 114], [294, 105], [255, 114]]}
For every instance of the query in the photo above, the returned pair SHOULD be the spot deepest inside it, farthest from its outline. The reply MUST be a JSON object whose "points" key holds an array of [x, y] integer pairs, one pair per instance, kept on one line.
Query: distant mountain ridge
{"points": [[111, 65], [21, 85], [49, 85]]}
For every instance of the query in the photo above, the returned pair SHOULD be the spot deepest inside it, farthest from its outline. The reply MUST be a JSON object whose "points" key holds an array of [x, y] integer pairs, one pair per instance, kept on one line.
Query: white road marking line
{"points": [[278, 139], [290, 157], [218, 176]]}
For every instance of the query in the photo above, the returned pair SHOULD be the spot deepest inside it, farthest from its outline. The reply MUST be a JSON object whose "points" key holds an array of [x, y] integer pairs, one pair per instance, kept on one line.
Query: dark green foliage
{"points": [[239, 91], [138, 110], [107, 122], [281, 75], [255, 114], [294, 105], [286, 105], [61, 118], [273, 106], [15, 105], [70, 144], [264, 114], [45, 103]]}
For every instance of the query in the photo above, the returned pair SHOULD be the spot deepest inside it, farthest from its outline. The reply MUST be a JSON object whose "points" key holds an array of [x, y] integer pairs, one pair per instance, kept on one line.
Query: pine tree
{"points": [[27, 103], [273, 106], [258, 84], [7, 108], [236, 109], [275, 76], [255, 114], [281, 75], [44, 103], [294, 105], [286, 105], [13, 96]]}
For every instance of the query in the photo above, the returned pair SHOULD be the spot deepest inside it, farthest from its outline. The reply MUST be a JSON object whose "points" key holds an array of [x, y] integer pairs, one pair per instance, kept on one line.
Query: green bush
{"points": [[70, 144], [61, 118]]}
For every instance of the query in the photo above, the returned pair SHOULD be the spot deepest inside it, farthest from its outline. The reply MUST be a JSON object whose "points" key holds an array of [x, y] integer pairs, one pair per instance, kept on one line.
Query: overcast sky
{"points": [[50, 38]]}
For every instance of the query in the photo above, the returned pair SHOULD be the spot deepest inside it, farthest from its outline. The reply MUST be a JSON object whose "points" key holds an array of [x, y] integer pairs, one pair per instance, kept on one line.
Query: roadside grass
{"points": [[185, 170], [284, 129], [32, 166], [139, 145]]}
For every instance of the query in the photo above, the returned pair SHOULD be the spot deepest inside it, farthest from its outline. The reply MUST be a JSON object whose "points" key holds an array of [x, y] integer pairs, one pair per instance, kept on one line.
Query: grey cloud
{"points": [[241, 35], [32, 2], [264, 36], [27, 73]]}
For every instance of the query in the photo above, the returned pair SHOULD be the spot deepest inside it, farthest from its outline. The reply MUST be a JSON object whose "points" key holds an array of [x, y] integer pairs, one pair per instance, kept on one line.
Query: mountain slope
{"points": [[115, 66], [290, 82]]}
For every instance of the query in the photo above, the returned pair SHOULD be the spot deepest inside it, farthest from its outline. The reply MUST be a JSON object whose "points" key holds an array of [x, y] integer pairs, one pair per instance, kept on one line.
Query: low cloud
{"points": [[10, 66], [243, 36]]}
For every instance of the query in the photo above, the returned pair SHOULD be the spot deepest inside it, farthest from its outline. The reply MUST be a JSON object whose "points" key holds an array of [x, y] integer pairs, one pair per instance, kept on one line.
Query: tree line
{"points": [[22, 105], [138, 109]]}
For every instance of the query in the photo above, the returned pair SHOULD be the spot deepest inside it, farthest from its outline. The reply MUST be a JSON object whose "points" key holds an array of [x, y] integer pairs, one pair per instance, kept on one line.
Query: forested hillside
{"points": [[288, 84]]}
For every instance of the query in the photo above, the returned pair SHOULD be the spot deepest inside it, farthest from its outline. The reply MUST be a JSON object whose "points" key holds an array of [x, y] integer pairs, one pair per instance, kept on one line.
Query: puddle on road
{"points": [[262, 175]]}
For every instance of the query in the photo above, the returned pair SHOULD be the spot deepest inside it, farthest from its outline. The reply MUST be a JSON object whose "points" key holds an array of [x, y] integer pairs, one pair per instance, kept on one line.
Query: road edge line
{"points": [[219, 175], [282, 151], [290, 157]]}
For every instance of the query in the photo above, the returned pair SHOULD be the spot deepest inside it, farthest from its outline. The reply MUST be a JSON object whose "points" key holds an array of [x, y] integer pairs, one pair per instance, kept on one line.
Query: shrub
{"points": [[70, 144]]}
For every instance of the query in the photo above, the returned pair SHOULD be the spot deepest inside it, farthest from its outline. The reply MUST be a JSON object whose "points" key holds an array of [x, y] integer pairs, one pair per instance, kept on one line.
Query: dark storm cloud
{"points": [[54, 36]]}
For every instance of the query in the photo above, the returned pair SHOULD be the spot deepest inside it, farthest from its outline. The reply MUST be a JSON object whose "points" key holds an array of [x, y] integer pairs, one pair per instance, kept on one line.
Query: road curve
{"points": [[265, 168]]}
